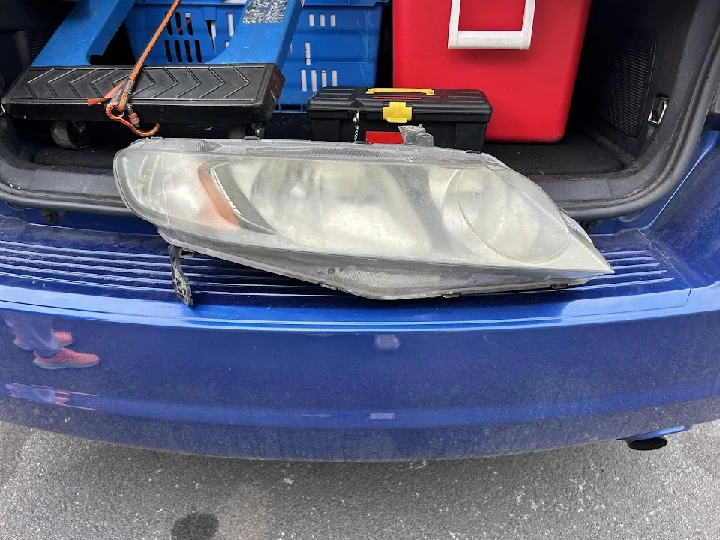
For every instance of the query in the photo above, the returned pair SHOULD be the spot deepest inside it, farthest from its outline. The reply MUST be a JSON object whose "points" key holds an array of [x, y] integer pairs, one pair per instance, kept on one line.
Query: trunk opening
{"points": [[647, 74]]}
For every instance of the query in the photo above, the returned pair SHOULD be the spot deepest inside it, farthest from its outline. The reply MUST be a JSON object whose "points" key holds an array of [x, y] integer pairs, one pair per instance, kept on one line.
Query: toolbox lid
{"points": [[449, 105]]}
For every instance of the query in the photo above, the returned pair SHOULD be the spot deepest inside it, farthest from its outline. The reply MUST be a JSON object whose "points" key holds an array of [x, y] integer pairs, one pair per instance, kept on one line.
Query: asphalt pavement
{"points": [[57, 487]]}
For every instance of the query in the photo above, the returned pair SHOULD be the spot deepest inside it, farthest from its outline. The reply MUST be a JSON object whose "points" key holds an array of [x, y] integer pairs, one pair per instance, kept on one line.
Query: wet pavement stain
{"points": [[195, 526]]}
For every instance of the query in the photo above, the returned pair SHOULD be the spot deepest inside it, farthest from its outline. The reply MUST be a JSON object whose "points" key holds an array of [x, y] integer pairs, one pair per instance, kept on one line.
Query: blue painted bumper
{"points": [[268, 367]]}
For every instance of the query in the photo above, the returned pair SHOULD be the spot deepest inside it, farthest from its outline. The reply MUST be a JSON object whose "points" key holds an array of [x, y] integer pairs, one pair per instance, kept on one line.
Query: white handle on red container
{"points": [[491, 39]]}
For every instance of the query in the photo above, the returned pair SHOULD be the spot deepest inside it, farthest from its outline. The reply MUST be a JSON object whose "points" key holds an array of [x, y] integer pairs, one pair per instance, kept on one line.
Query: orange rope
{"points": [[118, 98]]}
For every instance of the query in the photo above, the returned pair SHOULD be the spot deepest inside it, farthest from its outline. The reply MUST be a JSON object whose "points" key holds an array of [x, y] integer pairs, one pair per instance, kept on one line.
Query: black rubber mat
{"points": [[89, 158], [576, 154]]}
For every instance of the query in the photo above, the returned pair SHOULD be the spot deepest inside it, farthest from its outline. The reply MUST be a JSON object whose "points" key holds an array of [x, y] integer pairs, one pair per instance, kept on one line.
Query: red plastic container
{"points": [[522, 53]]}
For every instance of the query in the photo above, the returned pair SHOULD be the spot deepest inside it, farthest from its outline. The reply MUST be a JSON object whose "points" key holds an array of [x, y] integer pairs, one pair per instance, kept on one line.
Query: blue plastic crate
{"points": [[335, 44]]}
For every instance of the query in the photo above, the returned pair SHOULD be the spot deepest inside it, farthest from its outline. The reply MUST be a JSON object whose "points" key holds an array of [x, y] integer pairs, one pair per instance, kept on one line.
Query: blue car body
{"points": [[268, 367]]}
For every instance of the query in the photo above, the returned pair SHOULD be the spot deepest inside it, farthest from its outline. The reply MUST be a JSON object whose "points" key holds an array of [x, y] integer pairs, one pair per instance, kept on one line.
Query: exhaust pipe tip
{"points": [[653, 440], [644, 445]]}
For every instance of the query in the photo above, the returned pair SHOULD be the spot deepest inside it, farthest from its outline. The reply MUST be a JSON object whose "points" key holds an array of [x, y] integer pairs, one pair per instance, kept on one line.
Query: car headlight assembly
{"points": [[379, 221]]}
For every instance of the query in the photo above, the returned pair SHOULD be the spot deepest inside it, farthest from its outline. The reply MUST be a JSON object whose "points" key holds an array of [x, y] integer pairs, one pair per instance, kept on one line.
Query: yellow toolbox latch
{"points": [[397, 112]]}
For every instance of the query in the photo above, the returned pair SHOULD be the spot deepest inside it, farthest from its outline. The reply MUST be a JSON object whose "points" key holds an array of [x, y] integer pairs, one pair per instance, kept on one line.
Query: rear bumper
{"points": [[267, 367], [483, 438]]}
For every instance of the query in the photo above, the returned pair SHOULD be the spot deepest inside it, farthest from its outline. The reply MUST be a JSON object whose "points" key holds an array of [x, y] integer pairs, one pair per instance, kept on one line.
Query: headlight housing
{"points": [[378, 221]]}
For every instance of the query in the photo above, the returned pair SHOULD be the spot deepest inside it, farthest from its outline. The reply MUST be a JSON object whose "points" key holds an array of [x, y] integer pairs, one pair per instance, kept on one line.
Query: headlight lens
{"points": [[378, 221]]}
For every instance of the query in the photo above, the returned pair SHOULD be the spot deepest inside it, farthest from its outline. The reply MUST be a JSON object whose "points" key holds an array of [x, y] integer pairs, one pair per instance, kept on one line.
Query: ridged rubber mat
{"points": [[201, 94]]}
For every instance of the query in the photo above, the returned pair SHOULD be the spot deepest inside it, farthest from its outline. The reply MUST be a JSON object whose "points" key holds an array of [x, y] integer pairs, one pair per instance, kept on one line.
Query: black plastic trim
{"points": [[84, 190], [670, 153]]}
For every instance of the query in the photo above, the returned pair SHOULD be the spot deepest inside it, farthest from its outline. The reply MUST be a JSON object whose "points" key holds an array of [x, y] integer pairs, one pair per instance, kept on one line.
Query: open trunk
{"points": [[646, 80]]}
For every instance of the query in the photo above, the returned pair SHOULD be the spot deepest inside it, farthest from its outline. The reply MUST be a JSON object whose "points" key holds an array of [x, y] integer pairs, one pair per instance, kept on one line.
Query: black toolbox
{"points": [[455, 118]]}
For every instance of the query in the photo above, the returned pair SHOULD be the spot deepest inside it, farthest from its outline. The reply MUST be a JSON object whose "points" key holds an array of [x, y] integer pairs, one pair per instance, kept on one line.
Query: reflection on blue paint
{"points": [[44, 394]]}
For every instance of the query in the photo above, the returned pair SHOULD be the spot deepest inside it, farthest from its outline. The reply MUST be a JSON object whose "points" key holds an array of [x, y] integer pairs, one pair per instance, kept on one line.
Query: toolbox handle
{"points": [[491, 39], [426, 91]]}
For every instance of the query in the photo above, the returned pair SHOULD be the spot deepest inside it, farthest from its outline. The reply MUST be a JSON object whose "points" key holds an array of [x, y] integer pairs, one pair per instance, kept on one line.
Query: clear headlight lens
{"points": [[377, 221]]}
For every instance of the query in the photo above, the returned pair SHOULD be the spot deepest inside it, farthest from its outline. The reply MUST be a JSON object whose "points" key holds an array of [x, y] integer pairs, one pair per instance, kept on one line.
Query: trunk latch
{"points": [[657, 112]]}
